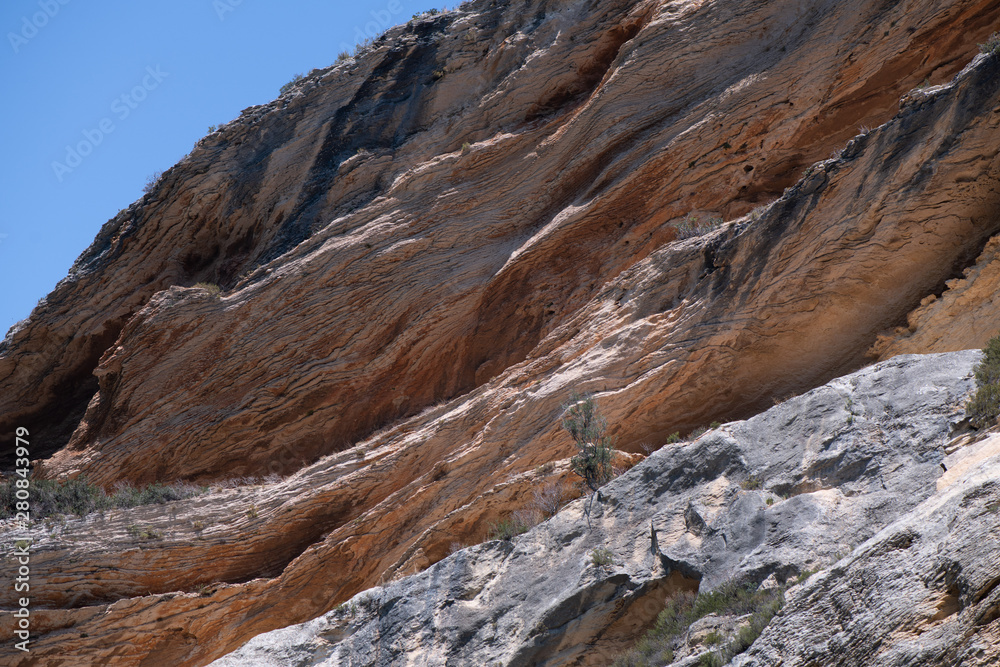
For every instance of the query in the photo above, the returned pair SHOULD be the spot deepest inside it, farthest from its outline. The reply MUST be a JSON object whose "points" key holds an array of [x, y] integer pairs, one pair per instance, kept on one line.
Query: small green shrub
{"points": [[984, 406], [342, 56], [713, 638], [212, 128], [601, 557], [288, 86], [144, 533], [589, 432], [346, 609], [595, 448], [507, 529], [712, 659], [252, 512], [752, 483], [212, 288], [805, 574], [992, 44], [673, 438], [466, 148]]}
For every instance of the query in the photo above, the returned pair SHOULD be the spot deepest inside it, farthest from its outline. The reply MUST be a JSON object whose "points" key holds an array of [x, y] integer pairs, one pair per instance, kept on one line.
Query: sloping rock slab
{"points": [[795, 488]]}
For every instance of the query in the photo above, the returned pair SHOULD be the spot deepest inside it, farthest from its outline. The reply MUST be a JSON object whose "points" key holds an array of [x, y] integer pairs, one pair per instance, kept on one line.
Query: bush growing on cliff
{"points": [[508, 528], [984, 406], [992, 44], [151, 181], [212, 288], [144, 533], [595, 447], [288, 86], [730, 599], [602, 557]]}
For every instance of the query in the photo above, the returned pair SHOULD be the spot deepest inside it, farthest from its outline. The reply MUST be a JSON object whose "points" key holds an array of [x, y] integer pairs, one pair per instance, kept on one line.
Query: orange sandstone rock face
{"points": [[378, 274], [964, 316]]}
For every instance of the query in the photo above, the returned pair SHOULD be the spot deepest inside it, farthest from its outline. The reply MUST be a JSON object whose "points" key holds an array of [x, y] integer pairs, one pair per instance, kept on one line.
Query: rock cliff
{"points": [[849, 482], [422, 251]]}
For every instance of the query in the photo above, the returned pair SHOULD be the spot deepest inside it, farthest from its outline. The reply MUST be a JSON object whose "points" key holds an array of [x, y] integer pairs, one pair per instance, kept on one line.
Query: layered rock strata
{"points": [[403, 316], [867, 479]]}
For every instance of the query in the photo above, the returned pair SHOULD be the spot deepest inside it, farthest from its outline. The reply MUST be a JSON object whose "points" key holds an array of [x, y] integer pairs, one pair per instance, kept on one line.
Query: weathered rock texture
{"points": [[403, 316], [853, 472], [408, 271], [965, 315]]}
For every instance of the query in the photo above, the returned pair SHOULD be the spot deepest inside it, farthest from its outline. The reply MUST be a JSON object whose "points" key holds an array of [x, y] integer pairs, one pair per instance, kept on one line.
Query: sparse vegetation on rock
{"points": [[144, 533], [695, 226], [433, 308], [80, 497], [756, 605], [211, 288], [151, 181], [508, 528], [601, 557], [288, 86], [992, 45], [984, 406], [593, 462]]}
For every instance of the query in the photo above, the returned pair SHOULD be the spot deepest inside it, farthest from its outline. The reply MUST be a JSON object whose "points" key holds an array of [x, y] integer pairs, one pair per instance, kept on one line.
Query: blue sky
{"points": [[100, 97]]}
